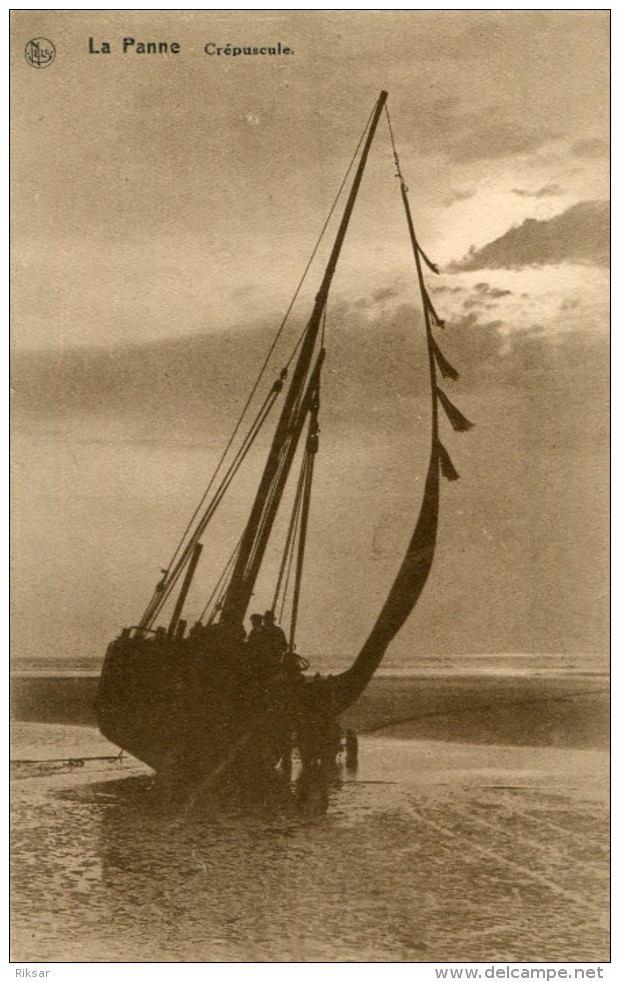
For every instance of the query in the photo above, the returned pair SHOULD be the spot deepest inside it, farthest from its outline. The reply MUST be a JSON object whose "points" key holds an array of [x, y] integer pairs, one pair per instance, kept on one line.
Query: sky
{"points": [[164, 208]]}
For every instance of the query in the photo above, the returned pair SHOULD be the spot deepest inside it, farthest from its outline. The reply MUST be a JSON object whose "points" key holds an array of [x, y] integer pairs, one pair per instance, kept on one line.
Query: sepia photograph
{"points": [[310, 353]]}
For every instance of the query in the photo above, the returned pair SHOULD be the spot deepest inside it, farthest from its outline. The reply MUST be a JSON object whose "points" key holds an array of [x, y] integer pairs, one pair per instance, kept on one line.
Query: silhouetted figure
{"points": [[254, 637], [319, 739], [351, 749], [332, 742], [273, 637]]}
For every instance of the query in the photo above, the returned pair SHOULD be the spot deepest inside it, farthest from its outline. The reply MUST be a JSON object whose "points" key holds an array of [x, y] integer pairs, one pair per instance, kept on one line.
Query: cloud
{"points": [[492, 291], [549, 191], [380, 299], [489, 135], [446, 126], [385, 293], [455, 195], [578, 235], [189, 385], [590, 148]]}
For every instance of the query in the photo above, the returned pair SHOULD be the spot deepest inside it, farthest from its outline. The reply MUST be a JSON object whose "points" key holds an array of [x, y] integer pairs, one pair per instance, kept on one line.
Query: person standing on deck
{"points": [[254, 637], [273, 638]]}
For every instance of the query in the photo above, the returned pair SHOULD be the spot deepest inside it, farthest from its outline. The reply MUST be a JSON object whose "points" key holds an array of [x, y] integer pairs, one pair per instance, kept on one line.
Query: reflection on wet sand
{"points": [[139, 827], [275, 797], [431, 852]]}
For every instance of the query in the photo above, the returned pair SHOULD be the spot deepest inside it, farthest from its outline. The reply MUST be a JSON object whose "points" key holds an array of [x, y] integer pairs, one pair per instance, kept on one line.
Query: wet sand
{"points": [[461, 844]]}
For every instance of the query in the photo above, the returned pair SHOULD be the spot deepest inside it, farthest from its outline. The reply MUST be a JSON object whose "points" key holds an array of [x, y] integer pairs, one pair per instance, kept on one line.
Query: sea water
{"points": [[502, 663]]}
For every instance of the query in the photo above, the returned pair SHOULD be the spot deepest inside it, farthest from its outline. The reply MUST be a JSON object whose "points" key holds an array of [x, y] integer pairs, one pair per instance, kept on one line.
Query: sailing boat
{"points": [[198, 706]]}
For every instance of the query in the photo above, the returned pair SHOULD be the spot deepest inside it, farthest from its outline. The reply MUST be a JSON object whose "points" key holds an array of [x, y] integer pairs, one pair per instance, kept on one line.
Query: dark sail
{"points": [[402, 598]]}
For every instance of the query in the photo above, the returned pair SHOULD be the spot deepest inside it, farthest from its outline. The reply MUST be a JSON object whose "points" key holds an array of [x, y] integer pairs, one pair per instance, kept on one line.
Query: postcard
{"points": [[310, 352]]}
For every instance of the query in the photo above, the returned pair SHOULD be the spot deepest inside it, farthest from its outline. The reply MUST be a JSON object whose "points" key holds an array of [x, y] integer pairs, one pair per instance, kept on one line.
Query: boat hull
{"points": [[193, 712]]}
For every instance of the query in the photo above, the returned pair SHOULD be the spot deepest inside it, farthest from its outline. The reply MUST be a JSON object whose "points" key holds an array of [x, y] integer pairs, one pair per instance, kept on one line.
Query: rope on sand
{"points": [[68, 761]]}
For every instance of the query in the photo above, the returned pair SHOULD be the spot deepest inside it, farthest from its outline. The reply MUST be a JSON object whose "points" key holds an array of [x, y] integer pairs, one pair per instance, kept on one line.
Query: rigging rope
{"points": [[399, 174]]}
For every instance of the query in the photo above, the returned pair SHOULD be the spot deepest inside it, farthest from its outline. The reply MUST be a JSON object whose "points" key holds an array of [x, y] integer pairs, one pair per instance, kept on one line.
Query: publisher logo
{"points": [[40, 53]]}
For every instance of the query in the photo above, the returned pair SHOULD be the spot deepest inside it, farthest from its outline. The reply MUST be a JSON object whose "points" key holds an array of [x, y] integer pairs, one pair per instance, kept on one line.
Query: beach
{"points": [[474, 829]]}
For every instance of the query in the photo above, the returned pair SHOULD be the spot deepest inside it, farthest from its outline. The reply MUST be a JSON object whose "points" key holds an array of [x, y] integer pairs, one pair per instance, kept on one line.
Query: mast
{"points": [[296, 406]]}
